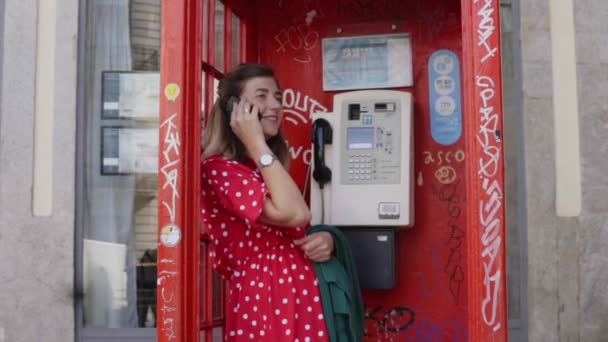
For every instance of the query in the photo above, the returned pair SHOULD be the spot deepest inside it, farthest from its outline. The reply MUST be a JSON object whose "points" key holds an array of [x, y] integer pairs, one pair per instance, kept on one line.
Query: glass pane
{"points": [[201, 268], [216, 84], [203, 113], [219, 36], [236, 40], [203, 92], [205, 24], [218, 305], [120, 192]]}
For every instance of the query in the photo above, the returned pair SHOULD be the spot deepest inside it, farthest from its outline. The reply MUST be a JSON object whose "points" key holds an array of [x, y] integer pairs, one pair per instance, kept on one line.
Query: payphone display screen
{"points": [[359, 138]]}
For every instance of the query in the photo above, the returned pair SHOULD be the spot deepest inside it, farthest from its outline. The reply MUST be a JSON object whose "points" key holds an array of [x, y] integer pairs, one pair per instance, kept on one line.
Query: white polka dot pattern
{"points": [[274, 294]]}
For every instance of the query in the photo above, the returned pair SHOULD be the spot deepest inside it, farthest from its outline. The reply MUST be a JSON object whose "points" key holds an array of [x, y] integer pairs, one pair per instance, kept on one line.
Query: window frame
{"points": [[212, 316]]}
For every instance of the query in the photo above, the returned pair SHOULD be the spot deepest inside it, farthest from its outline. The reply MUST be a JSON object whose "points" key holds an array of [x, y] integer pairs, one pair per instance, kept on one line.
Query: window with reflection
{"points": [[236, 40], [122, 64], [120, 210]]}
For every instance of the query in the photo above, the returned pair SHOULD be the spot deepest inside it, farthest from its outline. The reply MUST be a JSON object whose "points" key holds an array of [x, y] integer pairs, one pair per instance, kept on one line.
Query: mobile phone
{"points": [[233, 101]]}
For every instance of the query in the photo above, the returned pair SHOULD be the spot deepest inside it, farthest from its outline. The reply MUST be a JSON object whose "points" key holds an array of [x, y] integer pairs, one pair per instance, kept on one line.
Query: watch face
{"points": [[266, 159]]}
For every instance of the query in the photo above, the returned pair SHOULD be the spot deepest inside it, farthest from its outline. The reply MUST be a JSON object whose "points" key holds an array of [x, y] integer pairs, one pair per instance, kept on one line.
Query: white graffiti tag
{"points": [[168, 323], [487, 131], [295, 103], [298, 109], [298, 39], [172, 158], [486, 28], [491, 201]]}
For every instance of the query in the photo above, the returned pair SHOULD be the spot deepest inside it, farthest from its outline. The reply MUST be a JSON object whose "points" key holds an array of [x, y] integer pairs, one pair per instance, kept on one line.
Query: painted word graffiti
{"points": [[170, 171], [429, 329], [299, 38], [440, 157], [489, 128], [298, 109], [491, 203], [295, 103], [448, 193], [300, 152], [393, 322], [169, 322], [486, 28], [445, 174]]}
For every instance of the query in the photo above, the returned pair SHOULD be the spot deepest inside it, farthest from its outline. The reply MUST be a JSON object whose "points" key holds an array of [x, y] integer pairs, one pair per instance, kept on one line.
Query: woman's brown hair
{"points": [[218, 137]]}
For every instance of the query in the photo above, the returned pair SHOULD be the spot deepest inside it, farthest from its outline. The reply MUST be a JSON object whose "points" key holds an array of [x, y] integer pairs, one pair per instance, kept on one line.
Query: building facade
{"points": [[70, 206]]}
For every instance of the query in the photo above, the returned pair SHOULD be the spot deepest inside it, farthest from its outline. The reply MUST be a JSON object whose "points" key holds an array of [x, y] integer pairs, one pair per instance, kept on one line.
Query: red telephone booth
{"points": [[451, 268]]}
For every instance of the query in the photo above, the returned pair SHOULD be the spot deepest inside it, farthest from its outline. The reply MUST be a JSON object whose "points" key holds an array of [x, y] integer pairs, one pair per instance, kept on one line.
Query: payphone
{"points": [[362, 175], [362, 165]]}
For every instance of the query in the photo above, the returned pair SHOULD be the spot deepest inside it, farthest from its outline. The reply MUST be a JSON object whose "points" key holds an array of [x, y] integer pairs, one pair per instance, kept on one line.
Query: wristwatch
{"points": [[266, 159]]}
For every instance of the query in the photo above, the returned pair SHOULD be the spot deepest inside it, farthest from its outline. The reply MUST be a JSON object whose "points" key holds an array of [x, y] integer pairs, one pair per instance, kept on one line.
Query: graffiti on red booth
{"points": [[298, 109], [489, 166], [167, 277]]}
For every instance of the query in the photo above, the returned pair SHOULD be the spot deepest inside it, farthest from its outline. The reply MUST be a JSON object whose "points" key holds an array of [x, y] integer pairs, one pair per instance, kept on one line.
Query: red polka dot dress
{"points": [[274, 293]]}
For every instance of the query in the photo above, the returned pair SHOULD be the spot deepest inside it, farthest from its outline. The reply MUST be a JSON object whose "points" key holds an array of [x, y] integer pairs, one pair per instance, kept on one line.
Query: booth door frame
{"points": [[186, 286]]}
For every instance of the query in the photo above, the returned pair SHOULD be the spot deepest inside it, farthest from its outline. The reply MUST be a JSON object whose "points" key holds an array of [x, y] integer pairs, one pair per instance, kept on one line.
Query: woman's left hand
{"points": [[318, 247]]}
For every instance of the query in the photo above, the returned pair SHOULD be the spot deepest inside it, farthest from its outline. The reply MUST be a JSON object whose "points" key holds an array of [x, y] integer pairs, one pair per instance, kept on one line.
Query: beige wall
{"points": [[36, 253], [568, 272]]}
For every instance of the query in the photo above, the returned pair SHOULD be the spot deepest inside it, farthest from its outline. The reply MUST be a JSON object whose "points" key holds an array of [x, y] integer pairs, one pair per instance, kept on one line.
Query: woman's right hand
{"points": [[246, 125]]}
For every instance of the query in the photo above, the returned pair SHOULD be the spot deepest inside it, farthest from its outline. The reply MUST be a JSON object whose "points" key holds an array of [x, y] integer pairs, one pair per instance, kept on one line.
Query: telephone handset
{"points": [[233, 101], [321, 135]]}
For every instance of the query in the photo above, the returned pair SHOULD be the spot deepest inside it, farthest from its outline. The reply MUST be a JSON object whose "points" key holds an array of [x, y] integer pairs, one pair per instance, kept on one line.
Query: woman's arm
{"points": [[285, 206]]}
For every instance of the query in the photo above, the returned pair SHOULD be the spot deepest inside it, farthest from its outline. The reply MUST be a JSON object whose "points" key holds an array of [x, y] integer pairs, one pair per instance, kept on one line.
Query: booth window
{"points": [[118, 193], [119, 199]]}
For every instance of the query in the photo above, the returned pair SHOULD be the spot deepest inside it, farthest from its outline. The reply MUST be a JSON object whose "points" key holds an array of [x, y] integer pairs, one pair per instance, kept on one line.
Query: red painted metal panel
{"points": [[485, 181], [430, 301], [179, 158]]}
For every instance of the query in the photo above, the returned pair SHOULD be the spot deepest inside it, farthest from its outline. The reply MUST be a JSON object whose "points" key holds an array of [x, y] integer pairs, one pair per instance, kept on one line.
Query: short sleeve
{"points": [[239, 188]]}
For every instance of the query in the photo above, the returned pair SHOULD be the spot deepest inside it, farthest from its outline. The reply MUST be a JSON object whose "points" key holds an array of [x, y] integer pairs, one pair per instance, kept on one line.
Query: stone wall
{"points": [[36, 253], [568, 257]]}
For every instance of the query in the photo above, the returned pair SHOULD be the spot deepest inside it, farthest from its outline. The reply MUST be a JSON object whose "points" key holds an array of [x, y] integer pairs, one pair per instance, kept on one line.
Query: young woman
{"points": [[256, 216]]}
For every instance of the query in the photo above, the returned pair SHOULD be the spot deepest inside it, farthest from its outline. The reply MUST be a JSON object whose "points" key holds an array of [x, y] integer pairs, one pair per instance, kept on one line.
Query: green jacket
{"points": [[340, 291]]}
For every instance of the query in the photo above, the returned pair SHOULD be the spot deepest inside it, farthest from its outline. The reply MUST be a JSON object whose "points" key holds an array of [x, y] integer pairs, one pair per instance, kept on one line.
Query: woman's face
{"points": [[264, 93]]}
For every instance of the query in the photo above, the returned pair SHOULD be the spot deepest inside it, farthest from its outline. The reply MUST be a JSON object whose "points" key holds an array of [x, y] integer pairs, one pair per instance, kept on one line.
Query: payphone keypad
{"points": [[361, 167]]}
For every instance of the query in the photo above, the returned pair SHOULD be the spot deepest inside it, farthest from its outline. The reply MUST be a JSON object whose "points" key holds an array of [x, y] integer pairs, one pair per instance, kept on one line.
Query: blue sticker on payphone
{"points": [[445, 99]]}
